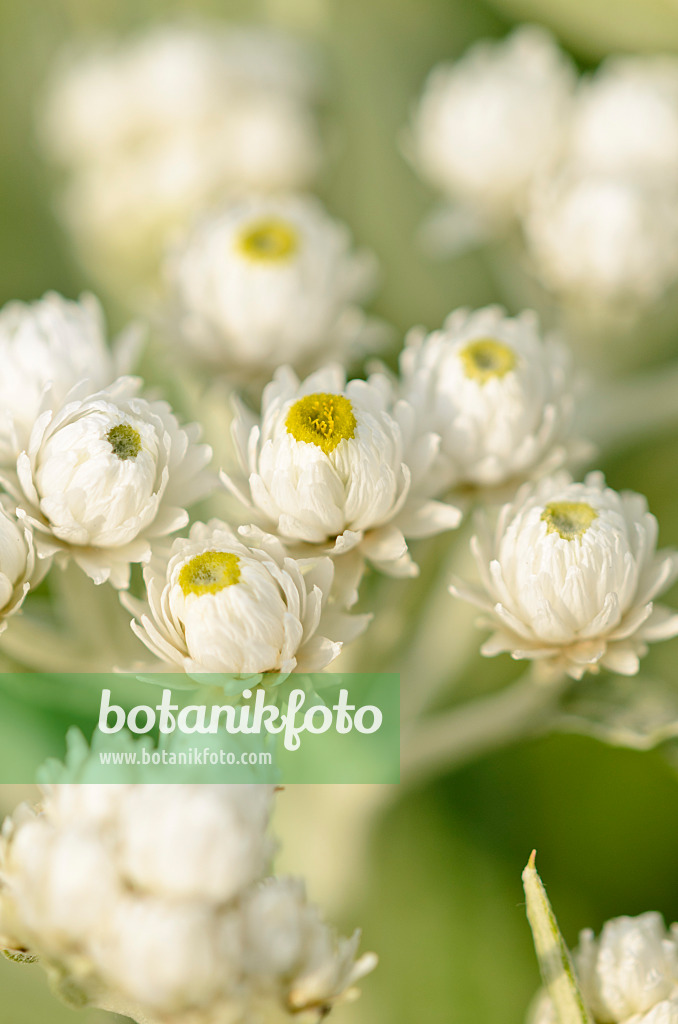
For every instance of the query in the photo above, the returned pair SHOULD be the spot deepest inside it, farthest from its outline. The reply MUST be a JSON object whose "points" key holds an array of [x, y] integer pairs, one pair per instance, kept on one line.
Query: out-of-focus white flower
{"points": [[103, 474], [630, 972], [269, 281], [239, 604], [299, 961], [337, 464], [487, 122], [157, 128], [499, 396], [58, 342], [19, 569], [601, 240], [570, 578], [151, 900], [626, 120]]}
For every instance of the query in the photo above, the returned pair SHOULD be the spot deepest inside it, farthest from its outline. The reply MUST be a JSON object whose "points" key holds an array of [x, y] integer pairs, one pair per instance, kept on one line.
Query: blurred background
{"points": [[438, 894]]}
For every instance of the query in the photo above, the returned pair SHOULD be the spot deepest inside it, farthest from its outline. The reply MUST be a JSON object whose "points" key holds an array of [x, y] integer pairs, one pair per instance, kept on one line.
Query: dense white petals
{"points": [[256, 610], [339, 483], [19, 568], [629, 972], [153, 900], [52, 342], [486, 122], [155, 128], [498, 395], [105, 472], [566, 578], [267, 281]]}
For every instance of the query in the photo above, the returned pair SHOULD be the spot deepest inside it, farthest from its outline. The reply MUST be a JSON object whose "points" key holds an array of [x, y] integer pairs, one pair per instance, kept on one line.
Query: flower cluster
{"points": [[154, 129], [155, 901], [587, 170], [629, 972]]}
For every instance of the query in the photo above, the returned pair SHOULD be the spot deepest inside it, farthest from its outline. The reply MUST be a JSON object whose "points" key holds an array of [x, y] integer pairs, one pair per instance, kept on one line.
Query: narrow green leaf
{"points": [[553, 955]]}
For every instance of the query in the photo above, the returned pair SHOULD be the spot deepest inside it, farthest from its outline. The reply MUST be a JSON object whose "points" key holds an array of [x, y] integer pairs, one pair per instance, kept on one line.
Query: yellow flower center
{"points": [[125, 441], [209, 573], [322, 419], [486, 358], [269, 241], [569, 519]]}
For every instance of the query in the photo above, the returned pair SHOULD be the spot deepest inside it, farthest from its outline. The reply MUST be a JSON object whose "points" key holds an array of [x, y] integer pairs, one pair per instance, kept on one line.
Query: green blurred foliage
{"points": [[442, 902]]}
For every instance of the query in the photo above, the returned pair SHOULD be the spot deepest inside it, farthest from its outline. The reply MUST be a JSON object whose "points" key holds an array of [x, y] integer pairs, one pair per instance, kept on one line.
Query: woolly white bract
{"points": [[103, 474], [629, 972], [499, 396], [150, 900], [268, 281], [156, 128], [57, 342], [225, 603], [570, 577], [335, 464], [488, 121]]}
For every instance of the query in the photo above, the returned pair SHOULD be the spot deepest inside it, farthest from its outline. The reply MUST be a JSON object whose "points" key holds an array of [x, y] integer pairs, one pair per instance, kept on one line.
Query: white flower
{"points": [[602, 240], [103, 474], [239, 604], [268, 281], [151, 900], [499, 396], [626, 120], [327, 466], [487, 122], [58, 342], [19, 570], [570, 577], [293, 953], [155, 129], [630, 972]]}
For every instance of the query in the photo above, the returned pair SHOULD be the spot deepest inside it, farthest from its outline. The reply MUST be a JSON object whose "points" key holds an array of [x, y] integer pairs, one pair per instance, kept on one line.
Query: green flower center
{"points": [[322, 419], [569, 519], [209, 573], [125, 441], [486, 358], [268, 241]]}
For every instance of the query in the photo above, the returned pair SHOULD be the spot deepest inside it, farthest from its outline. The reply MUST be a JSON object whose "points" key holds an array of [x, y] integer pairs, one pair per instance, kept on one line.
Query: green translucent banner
{"points": [[166, 728]]}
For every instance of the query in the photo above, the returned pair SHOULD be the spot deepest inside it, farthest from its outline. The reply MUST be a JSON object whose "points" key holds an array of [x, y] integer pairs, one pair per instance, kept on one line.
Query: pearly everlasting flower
{"points": [[152, 901], [486, 122], [570, 578], [57, 342], [103, 474], [220, 602], [600, 240], [158, 127], [626, 120], [19, 571], [500, 397], [630, 972], [269, 281], [336, 465]]}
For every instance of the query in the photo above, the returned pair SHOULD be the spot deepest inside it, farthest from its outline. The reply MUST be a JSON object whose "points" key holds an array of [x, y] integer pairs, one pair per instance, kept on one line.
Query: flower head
{"points": [[336, 464], [570, 578], [488, 121], [225, 603], [500, 397], [269, 281], [629, 972], [57, 342], [157, 127], [602, 240], [103, 474], [152, 901]]}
